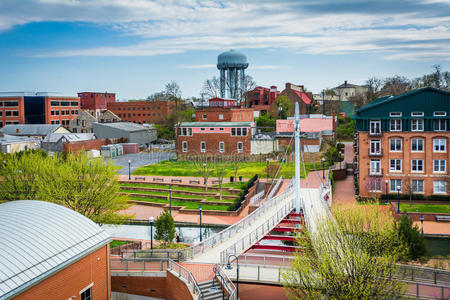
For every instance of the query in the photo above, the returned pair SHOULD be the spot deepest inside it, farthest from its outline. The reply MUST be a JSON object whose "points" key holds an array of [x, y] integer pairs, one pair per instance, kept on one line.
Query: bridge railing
{"points": [[247, 241], [228, 285]]}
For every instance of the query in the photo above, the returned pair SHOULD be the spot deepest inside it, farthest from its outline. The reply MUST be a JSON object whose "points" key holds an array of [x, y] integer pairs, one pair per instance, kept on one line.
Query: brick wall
{"points": [[212, 143], [141, 112], [85, 145], [228, 115], [71, 280]]}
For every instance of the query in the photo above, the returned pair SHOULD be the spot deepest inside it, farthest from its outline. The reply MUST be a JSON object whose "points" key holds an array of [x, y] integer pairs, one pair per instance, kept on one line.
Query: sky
{"points": [[135, 47]]}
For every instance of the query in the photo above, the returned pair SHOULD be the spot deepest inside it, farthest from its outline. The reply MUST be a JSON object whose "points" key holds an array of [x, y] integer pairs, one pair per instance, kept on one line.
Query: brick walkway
{"points": [[430, 227]]}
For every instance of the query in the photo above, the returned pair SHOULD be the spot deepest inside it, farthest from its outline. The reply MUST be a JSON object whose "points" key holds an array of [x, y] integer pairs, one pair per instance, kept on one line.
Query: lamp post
{"points": [[151, 220], [204, 174], [421, 222], [170, 200], [229, 267], [398, 198], [129, 169], [214, 289], [200, 209], [386, 200], [267, 168], [280, 110], [323, 168]]}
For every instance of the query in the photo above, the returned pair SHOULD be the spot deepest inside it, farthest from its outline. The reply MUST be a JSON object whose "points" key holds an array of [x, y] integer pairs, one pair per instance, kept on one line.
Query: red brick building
{"points": [[227, 138], [93, 100], [141, 112], [296, 93], [37, 108], [261, 98], [218, 114], [52, 253], [221, 102]]}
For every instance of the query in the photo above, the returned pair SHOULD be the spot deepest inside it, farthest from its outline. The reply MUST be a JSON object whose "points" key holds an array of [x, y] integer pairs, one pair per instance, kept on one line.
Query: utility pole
{"points": [[297, 159]]}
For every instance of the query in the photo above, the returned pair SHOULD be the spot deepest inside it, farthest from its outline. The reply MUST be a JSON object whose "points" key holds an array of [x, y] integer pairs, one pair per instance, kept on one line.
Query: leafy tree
{"points": [[165, 227], [411, 236], [266, 123], [332, 155], [283, 107], [437, 79]]}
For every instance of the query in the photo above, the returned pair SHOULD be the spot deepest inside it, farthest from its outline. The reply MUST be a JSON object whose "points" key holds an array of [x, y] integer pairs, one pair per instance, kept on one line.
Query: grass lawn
{"points": [[115, 243], [426, 208], [173, 195], [188, 205], [186, 168], [175, 188]]}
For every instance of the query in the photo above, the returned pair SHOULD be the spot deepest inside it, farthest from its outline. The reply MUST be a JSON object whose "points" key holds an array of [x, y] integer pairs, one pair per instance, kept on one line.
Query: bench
{"points": [[443, 218], [175, 180], [158, 179], [194, 181], [139, 178]]}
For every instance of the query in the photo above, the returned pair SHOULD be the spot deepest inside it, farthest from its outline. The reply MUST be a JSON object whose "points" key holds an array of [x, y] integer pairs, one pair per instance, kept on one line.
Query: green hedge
{"points": [[243, 193]]}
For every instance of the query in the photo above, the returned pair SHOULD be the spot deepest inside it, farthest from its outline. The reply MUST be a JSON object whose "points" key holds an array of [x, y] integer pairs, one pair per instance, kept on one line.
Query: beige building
{"points": [[83, 122], [347, 90]]}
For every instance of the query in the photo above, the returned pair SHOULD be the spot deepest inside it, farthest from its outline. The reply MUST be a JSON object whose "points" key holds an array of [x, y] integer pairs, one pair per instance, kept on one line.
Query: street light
{"points": [[267, 168], [229, 267], [204, 174], [421, 222], [200, 209], [323, 168], [398, 198], [213, 287], [151, 220], [129, 169], [386, 200], [170, 200]]}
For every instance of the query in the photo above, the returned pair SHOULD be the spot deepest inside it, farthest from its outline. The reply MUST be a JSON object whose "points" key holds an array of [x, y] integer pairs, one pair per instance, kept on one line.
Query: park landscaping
{"points": [[426, 208]]}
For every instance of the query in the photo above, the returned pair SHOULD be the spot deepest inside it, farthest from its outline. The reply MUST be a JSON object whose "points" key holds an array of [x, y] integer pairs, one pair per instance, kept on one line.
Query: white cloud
{"points": [[174, 26]]}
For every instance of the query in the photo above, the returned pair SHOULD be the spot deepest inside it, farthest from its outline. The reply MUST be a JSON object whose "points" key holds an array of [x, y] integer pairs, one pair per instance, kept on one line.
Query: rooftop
{"points": [[30, 129], [127, 126], [70, 137], [39, 239], [33, 94], [306, 125], [216, 124]]}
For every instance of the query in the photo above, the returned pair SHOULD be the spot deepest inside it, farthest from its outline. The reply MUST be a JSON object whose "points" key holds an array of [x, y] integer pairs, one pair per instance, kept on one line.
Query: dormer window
{"points": [[395, 114], [417, 114], [439, 113]]}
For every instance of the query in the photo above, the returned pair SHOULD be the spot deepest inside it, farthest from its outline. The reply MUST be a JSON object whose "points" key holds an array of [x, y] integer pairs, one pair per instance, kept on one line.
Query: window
{"points": [[184, 130], [417, 145], [417, 114], [439, 145], [439, 165], [74, 130], [78, 122], [375, 184], [440, 187], [11, 103], [74, 103], [202, 129], [65, 103], [185, 146], [395, 165], [63, 112], [240, 147], [439, 113], [395, 145], [394, 184], [375, 127], [211, 129], [220, 117], [190, 131], [244, 131], [1, 113], [375, 147], [86, 294], [83, 123], [238, 131], [204, 116], [417, 125], [375, 167], [221, 129], [417, 165], [395, 114], [233, 131], [54, 103], [417, 186], [221, 147], [203, 146], [395, 125], [440, 125]]}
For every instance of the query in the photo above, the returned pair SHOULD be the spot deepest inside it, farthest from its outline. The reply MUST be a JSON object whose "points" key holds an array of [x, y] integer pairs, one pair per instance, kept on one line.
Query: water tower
{"points": [[232, 65]]}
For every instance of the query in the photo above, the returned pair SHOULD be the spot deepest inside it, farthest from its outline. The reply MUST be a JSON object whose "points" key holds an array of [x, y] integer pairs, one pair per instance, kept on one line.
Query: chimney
{"points": [[288, 86], [17, 130], [345, 82]]}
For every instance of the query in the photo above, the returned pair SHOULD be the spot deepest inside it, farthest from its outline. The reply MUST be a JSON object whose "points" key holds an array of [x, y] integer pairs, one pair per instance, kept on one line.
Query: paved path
{"points": [[139, 159], [194, 181]]}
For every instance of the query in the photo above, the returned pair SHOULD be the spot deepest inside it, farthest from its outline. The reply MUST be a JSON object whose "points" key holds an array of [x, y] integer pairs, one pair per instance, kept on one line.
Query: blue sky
{"points": [[134, 47]]}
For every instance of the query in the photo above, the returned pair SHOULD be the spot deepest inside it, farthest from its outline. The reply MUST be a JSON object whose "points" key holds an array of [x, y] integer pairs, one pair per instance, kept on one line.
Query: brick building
{"points": [[218, 114], [261, 98], [403, 141], [83, 122], [141, 112], [226, 138], [37, 108], [93, 100], [52, 252], [221, 102], [296, 93]]}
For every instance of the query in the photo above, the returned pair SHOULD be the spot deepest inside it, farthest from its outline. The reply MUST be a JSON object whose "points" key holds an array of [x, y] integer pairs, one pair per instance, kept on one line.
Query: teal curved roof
{"points": [[232, 58], [39, 239]]}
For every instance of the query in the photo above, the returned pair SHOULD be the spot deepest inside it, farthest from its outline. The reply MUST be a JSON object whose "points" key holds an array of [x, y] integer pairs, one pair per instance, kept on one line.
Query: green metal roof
{"points": [[216, 124]]}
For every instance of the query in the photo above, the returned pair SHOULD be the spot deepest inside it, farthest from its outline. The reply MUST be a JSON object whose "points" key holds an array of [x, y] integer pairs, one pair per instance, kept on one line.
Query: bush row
{"points": [[243, 193]]}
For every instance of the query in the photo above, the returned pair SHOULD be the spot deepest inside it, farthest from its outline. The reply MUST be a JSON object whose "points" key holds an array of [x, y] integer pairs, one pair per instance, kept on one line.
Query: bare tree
{"points": [[172, 90], [395, 85], [236, 160], [203, 162], [211, 88], [220, 170], [373, 85]]}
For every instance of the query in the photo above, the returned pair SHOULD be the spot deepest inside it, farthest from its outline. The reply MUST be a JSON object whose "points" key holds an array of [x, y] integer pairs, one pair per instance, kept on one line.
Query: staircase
{"points": [[208, 294]]}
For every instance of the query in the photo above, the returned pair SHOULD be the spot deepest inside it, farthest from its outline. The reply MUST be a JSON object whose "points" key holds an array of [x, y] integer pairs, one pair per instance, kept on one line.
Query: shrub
{"points": [[243, 193], [411, 236], [165, 227]]}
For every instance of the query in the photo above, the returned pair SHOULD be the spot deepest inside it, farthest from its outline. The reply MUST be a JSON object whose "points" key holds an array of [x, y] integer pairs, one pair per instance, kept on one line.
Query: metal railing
{"points": [[228, 285], [157, 265], [275, 188], [256, 198], [423, 274], [260, 231]]}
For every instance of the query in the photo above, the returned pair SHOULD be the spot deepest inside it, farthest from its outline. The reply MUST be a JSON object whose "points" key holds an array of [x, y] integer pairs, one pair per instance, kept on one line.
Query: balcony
{"points": [[376, 154], [375, 172]]}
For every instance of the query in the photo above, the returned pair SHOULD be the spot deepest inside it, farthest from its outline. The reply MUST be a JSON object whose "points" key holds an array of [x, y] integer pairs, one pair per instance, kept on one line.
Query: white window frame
{"points": [[221, 147], [375, 167], [442, 124], [376, 146], [439, 114], [397, 163], [395, 114], [395, 122], [394, 142], [417, 144], [202, 149], [184, 146], [220, 116], [418, 124], [440, 184], [375, 184], [204, 116], [438, 163], [415, 162], [394, 186], [415, 185], [241, 148], [439, 145], [376, 125], [417, 114]]}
